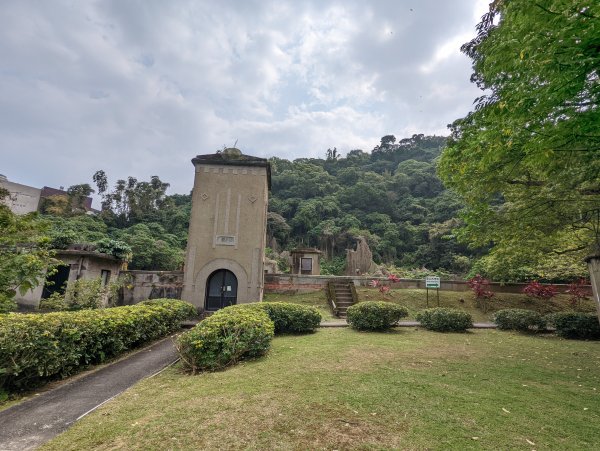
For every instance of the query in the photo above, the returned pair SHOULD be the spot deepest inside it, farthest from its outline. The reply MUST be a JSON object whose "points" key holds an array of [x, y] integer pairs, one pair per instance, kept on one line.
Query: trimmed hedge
{"points": [[443, 319], [519, 319], [580, 326], [375, 315], [35, 348], [288, 318], [226, 337]]}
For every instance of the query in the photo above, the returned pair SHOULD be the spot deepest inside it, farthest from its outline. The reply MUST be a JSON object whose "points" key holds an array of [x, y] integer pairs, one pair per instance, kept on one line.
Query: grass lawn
{"points": [[415, 300], [342, 389]]}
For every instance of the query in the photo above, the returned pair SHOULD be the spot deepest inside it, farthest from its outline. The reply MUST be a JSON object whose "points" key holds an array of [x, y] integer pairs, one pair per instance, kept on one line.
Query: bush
{"points": [[35, 348], [534, 289], [228, 336], [375, 315], [443, 319], [580, 326], [54, 302], [290, 318], [7, 304], [519, 319]]}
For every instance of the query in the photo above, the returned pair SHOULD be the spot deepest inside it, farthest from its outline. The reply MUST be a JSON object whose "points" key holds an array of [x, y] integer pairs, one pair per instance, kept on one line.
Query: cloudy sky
{"points": [[139, 87]]}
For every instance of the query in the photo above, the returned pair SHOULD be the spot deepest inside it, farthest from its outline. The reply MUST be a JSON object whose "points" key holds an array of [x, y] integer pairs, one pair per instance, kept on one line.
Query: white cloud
{"points": [[140, 87]]}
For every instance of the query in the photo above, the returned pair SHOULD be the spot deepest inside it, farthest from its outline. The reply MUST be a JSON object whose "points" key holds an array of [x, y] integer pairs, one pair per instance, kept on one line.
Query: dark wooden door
{"points": [[221, 290]]}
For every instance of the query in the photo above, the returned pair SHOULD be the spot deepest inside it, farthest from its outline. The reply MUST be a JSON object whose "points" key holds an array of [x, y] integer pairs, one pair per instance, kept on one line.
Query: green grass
{"points": [[415, 300], [342, 389]]}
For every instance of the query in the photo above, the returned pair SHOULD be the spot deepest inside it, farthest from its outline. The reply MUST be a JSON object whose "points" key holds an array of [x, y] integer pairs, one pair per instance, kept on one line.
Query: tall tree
{"points": [[25, 256], [527, 159]]}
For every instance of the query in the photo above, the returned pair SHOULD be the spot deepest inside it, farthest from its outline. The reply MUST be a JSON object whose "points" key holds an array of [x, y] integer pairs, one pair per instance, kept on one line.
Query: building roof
{"points": [[234, 157], [305, 250]]}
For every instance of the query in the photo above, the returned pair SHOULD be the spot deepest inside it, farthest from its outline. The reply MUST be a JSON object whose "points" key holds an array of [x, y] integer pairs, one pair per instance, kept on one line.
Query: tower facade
{"points": [[227, 233]]}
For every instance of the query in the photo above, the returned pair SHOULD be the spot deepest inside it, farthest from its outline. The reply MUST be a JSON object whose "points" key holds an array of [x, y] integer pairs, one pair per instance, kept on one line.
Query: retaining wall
{"points": [[287, 283], [143, 285]]}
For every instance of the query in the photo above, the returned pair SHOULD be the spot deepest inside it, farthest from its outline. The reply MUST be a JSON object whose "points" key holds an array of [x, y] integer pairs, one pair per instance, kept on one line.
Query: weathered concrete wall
{"points": [[82, 265], [143, 285], [293, 283], [23, 198]]}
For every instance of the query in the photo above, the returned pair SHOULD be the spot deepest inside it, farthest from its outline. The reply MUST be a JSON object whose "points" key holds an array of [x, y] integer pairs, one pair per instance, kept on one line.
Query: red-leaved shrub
{"points": [[535, 289]]}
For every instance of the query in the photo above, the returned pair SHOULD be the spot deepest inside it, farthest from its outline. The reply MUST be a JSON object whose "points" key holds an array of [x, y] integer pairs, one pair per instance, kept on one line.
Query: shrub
{"points": [[7, 304], [287, 317], [479, 285], [228, 336], [35, 348], [577, 291], [581, 326], [519, 319], [55, 301], [375, 315], [290, 318], [443, 319], [535, 289]]}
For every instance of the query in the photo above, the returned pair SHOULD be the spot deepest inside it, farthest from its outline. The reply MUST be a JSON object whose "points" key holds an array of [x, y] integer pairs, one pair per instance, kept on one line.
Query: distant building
{"points": [[23, 199], [79, 261], [26, 199], [306, 261]]}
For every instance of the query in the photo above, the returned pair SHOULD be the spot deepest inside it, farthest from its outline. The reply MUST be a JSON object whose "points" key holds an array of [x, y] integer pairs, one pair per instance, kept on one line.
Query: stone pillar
{"points": [[227, 225], [593, 262]]}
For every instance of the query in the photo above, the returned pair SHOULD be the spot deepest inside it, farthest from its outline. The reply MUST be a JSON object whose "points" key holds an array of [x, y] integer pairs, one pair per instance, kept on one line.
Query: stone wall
{"points": [[143, 285], [287, 283]]}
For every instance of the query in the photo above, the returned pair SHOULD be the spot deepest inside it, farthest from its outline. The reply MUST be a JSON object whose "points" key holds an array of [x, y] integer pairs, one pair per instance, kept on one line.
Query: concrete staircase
{"points": [[341, 295]]}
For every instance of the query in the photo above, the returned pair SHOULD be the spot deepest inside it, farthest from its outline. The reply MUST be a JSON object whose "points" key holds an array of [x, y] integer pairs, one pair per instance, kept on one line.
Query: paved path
{"points": [[340, 323], [39, 419]]}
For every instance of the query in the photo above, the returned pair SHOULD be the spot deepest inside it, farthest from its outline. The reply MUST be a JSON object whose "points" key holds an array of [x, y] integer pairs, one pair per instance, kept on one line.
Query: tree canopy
{"points": [[25, 255], [526, 161]]}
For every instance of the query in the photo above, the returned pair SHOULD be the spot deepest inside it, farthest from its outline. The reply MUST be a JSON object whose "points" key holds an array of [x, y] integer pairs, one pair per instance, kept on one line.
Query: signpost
{"points": [[433, 282]]}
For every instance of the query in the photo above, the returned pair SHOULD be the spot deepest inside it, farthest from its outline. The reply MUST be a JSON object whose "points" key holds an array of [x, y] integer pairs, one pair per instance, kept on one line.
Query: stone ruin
{"points": [[359, 261]]}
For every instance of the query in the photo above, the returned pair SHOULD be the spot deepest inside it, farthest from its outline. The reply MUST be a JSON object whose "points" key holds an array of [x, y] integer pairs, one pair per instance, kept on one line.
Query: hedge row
{"points": [[519, 319], [443, 319], [242, 332], [375, 315], [580, 326], [35, 348], [289, 318], [575, 325], [224, 338]]}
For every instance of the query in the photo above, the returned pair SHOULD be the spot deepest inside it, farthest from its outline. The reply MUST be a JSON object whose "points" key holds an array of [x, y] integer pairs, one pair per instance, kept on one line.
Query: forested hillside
{"points": [[390, 195]]}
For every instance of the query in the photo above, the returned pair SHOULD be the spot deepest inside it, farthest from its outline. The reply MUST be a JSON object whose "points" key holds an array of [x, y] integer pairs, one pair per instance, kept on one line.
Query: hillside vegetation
{"points": [[391, 196]]}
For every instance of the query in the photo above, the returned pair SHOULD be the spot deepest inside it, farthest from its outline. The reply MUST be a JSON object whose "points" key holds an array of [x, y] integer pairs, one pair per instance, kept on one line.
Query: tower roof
{"points": [[234, 157]]}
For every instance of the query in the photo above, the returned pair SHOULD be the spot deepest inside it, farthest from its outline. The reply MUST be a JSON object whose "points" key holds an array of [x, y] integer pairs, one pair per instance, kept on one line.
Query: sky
{"points": [[139, 87]]}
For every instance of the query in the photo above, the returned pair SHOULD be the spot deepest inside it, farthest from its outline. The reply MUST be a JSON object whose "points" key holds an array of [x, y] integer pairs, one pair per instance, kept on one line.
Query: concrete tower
{"points": [[226, 240]]}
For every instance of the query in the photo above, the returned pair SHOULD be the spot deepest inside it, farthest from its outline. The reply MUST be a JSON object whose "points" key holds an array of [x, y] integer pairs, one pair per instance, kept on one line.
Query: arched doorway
{"points": [[221, 290]]}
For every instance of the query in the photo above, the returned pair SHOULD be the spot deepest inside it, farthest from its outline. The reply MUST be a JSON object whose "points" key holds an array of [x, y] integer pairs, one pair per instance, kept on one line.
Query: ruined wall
{"points": [[293, 283], [360, 261], [143, 285]]}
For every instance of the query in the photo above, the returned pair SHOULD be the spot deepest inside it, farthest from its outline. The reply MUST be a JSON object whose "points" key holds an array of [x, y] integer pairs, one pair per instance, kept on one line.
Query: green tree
{"points": [[152, 247], [131, 201], [25, 255], [527, 160]]}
